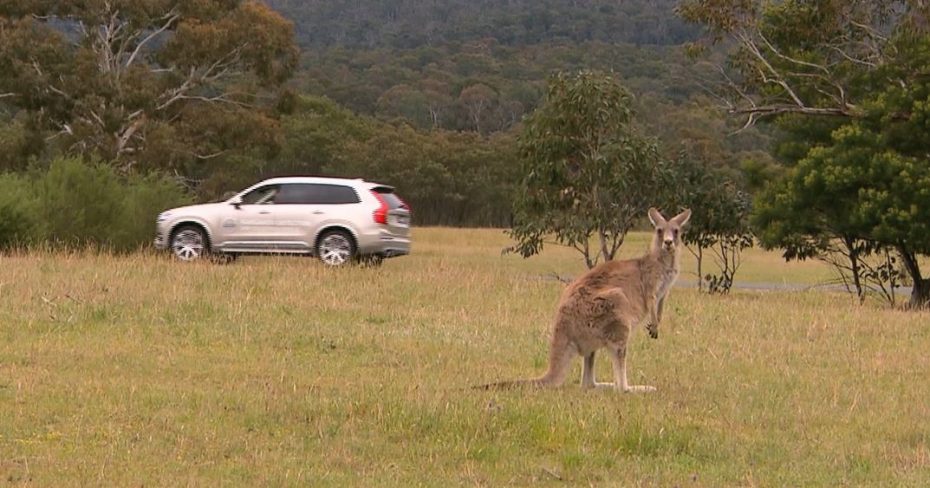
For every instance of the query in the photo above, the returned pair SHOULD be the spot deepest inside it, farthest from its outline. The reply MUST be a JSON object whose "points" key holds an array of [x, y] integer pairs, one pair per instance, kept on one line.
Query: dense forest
{"points": [[410, 24], [482, 66], [428, 96]]}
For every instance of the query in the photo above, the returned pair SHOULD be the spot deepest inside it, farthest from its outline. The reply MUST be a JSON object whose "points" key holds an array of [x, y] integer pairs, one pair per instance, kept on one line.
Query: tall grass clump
{"points": [[75, 203]]}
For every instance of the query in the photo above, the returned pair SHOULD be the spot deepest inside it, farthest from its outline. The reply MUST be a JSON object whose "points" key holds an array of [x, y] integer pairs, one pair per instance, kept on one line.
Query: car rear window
{"points": [[390, 197], [336, 194]]}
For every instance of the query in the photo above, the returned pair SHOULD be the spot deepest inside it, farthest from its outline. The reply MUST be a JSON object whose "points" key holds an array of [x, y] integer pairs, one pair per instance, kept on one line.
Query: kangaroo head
{"points": [[667, 237]]}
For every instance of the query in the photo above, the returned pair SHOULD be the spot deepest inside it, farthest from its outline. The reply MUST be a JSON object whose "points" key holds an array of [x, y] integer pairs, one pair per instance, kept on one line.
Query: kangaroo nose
{"points": [[668, 243]]}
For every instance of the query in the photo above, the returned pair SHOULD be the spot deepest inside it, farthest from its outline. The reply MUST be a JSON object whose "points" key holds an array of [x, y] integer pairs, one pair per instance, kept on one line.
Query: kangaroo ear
{"points": [[655, 217], [682, 218]]}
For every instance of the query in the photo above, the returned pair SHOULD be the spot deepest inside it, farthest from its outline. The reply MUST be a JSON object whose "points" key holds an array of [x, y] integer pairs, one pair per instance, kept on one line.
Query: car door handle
{"points": [[318, 212], [264, 212]]}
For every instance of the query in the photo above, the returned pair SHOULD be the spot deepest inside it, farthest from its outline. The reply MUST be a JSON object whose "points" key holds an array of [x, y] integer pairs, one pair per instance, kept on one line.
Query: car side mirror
{"points": [[236, 202]]}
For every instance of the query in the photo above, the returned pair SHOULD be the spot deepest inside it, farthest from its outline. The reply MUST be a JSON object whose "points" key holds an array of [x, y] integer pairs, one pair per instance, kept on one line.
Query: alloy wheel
{"points": [[335, 249], [188, 245]]}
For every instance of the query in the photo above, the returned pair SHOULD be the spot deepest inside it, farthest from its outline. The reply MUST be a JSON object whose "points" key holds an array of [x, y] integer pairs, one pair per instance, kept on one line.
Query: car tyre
{"points": [[189, 243], [335, 248]]}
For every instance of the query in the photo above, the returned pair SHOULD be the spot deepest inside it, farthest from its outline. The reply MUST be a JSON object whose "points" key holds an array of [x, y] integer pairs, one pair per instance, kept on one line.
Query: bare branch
{"points": [[872, 32], [122, 138], [217, 99], [846, 56], [799, 62], [171, 17]]}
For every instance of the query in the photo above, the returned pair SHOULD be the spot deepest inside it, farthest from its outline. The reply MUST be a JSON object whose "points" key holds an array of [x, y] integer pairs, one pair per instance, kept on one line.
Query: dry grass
{"points": [[136, 370]]}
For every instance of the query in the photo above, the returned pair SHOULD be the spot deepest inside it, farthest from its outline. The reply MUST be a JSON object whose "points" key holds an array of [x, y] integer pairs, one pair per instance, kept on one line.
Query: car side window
{"points": [[261, 196], [336, 195], [295, 194], [315, 194]]}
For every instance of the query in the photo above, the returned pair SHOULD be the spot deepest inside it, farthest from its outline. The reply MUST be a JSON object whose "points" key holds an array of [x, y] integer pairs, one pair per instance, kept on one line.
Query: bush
{"points": [[75, 203], [17, 211]]}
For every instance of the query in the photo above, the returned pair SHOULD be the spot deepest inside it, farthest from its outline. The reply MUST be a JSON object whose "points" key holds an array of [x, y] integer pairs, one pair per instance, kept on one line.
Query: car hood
{"points": [[204, 207]]}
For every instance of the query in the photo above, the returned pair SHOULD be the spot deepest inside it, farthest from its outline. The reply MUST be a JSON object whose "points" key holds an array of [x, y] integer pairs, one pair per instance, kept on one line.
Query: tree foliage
{"points": [[157, 82], [806, 57], [861, 175], [720, 222], [448, 177], [589, 176]]}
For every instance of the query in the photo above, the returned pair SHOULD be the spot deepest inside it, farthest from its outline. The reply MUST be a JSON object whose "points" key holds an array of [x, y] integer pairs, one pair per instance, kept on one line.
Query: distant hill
{"points": [[481, 65], [407, 24]]}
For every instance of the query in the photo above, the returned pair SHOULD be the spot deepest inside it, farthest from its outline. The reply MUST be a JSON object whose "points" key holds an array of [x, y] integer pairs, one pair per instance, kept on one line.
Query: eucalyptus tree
{"points": [[589, 176], [160, 82]]}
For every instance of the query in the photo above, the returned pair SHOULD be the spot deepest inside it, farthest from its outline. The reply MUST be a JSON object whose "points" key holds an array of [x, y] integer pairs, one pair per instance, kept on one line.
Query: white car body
{"points": [[291, 215]]}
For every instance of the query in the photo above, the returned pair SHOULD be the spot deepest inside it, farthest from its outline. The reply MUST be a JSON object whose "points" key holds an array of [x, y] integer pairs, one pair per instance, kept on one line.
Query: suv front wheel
{"points": [[189, 243], [335, 248]]}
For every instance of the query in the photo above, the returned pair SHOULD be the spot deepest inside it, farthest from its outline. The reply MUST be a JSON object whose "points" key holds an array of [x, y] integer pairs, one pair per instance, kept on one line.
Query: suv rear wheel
{"points": [[189, 243], [335, 248]]}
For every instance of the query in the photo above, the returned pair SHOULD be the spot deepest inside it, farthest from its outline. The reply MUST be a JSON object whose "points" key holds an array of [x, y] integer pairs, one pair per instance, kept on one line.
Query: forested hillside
{"points": [[408, 24], [482, 66]]}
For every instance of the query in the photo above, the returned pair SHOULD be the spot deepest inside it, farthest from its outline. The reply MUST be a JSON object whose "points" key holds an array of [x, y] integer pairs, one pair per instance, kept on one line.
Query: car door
{"points": [[297, 214], [249, 224]]}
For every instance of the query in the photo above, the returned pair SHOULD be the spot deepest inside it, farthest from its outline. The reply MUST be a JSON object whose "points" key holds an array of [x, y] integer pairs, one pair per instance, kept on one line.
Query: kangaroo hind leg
{"points": [[587, 372], [618, 358]]}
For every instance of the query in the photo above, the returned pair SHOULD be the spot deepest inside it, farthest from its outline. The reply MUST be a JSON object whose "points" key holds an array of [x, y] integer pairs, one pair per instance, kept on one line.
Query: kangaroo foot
{"points": [[628, 389]]}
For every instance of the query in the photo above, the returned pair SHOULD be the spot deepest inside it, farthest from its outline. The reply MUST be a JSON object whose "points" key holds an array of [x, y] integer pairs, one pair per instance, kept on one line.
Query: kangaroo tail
{"points": [[560, 356]]}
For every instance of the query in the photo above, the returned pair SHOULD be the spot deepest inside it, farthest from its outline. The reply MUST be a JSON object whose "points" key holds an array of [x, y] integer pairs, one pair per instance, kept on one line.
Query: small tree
{"points": [[720, 224], [588, 174]]}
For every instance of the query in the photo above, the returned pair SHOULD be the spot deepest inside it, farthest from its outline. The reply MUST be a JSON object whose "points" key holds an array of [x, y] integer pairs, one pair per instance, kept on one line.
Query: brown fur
{"points": [[601, 308]]}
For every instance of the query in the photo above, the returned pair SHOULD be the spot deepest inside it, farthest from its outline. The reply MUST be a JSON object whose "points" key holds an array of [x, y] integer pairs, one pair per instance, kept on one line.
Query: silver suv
{"points": [[334, 219]]}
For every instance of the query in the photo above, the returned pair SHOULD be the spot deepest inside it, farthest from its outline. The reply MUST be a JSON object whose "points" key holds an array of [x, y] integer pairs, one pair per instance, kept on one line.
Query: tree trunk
{"points": [[700, 258], [920, 294], [854, 263]]}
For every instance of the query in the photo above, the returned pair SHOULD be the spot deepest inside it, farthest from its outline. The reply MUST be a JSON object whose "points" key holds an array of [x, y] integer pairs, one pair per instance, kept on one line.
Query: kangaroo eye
{"points": [[658, 231]]}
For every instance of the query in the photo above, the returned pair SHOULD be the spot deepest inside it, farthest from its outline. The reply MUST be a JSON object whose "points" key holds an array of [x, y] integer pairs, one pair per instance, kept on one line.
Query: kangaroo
{"points": [[601, 308]]}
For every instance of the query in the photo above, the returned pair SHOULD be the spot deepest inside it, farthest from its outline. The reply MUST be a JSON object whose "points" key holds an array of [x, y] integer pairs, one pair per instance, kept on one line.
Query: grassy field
{"points": [[131, 371]]}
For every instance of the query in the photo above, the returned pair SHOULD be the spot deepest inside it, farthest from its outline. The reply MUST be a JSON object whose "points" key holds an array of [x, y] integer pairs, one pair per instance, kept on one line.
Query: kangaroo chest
{"points": [[666, 280]]}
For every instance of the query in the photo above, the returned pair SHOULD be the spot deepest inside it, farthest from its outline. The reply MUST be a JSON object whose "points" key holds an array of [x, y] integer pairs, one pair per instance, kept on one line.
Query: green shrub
{"points": [[75, 203], [17, 211], [146, 197], [80, 203]]}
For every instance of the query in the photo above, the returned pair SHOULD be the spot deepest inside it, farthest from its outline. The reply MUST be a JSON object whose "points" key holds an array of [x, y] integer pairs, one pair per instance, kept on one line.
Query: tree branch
{"points": [[171, 16]]}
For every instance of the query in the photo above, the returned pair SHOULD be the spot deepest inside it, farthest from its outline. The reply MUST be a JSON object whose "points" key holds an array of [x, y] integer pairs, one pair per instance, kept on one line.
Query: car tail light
{"points": [[380, 214]]}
